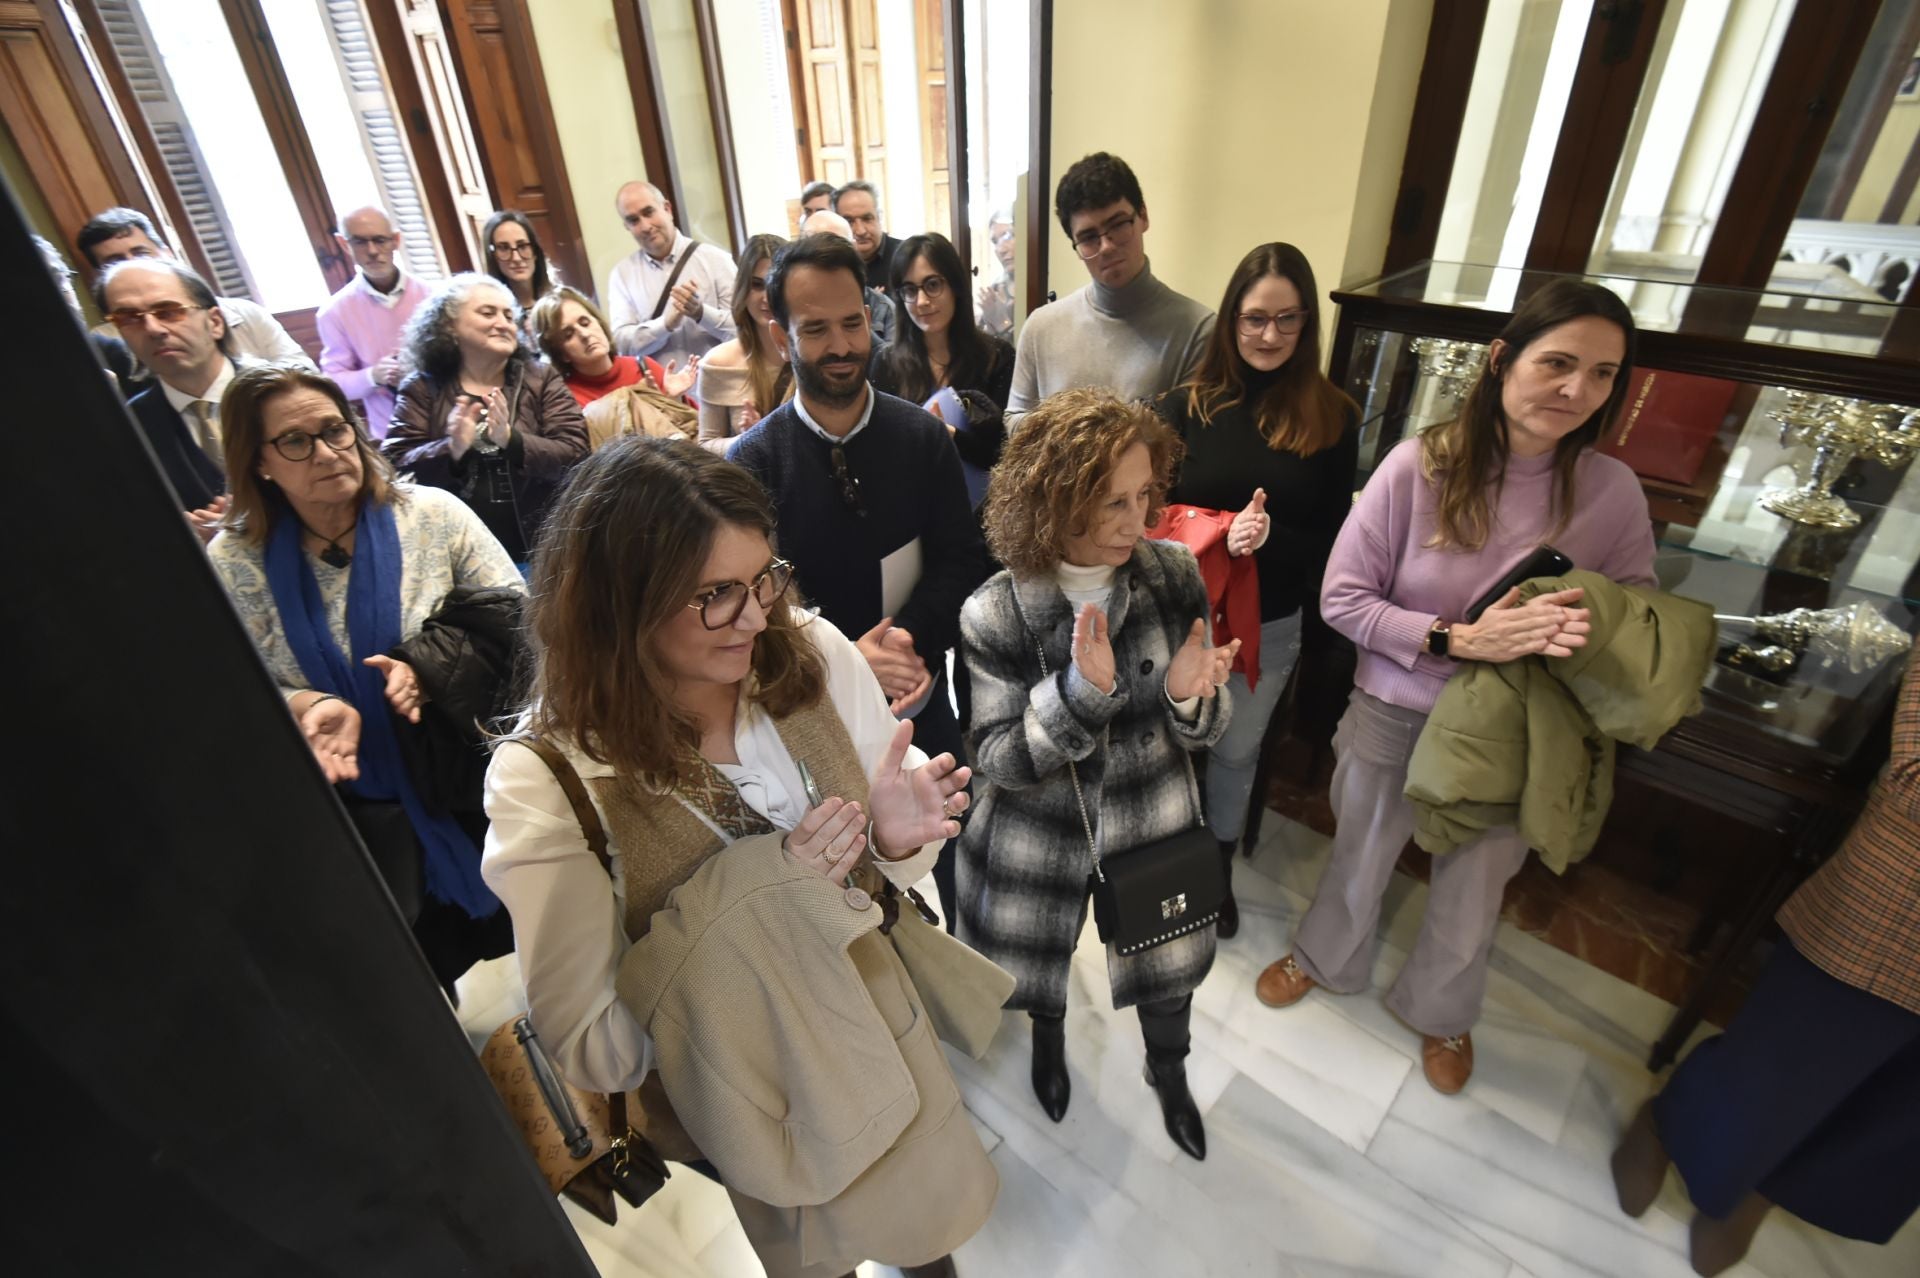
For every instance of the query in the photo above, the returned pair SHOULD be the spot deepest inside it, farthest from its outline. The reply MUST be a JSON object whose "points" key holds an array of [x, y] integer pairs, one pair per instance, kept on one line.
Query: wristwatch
{"points": [[1438, 636]]}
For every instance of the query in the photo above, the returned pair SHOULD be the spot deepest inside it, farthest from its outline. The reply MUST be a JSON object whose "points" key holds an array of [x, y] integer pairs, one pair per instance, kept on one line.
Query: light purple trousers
{"points": [[1444, 982]]}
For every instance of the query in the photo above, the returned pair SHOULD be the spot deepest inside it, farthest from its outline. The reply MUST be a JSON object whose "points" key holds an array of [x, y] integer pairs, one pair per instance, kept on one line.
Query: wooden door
{"points": [[930, 29], [60, 123], [499, 67], [869, 121], [426, 85], [828, 150]]}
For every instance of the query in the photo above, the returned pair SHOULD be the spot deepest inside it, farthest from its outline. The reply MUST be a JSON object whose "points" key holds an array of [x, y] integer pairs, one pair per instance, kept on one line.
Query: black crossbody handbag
{"points": [[1152, 894]]}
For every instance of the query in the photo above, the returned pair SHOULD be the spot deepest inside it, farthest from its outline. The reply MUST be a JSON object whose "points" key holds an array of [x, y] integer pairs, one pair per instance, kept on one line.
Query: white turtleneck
{"points": [[1093, 584]]}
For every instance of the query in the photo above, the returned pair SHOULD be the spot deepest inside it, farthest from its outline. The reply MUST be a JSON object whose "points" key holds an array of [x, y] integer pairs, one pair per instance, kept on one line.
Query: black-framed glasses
{"points": [[1252, 323], [849, 485], [297, 445], [372, 241], [722, 606], [523, 249], [934, 286], [1118, 233], [165, 312]]}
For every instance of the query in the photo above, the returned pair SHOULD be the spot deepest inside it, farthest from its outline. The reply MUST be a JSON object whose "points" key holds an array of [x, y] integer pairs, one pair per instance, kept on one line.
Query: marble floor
{"points": [[1328, 1154]]}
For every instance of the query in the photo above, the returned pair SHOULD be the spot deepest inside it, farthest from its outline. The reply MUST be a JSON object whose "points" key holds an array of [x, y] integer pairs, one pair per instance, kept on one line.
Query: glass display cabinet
{"points": [[1773, 434]]}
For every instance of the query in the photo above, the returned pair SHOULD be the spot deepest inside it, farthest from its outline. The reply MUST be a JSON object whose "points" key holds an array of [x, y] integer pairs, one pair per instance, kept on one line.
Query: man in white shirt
{"points": [[673, 299], [361, 326], [166, 314], [118, 235]]}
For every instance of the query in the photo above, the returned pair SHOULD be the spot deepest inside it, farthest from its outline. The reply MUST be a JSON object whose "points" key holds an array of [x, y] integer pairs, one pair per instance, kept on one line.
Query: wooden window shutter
{"points": [[132, 46]]}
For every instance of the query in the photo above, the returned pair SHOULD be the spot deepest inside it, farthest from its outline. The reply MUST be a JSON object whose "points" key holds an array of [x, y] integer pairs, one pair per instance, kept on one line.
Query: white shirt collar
{"points": [[680, 245], [866, 415], [388, 300], [181, 400]]}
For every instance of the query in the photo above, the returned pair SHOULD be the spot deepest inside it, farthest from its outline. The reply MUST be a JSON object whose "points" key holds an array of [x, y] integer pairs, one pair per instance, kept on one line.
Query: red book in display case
{"points": [[1669, 424]]}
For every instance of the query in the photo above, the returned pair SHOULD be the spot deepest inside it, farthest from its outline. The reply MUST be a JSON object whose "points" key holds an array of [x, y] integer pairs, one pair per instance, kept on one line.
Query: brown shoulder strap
{"points": [[576, 792], [666, 290]]}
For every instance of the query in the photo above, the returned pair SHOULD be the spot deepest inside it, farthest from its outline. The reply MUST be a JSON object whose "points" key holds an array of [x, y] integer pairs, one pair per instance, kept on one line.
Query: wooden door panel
{"points": [[58, 120], [930, 39], [829, 141], [870, 124]]}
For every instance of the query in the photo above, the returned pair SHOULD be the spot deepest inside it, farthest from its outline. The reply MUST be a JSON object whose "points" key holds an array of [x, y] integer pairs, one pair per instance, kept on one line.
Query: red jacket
{"points": [[1233, 584]]}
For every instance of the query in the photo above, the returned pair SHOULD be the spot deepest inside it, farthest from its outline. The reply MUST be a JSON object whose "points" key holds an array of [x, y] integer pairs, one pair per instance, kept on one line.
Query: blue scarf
{"points": [[373, 627]]}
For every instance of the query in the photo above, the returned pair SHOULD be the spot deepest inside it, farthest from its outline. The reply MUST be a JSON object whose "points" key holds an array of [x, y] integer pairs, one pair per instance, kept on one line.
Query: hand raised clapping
{"points": [[1197, 670]]}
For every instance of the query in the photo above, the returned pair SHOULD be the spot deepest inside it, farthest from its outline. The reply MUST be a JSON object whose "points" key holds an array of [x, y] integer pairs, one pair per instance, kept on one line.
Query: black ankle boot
{"points": [[1228, 926], [1168, 1077], [1050, 1065]]}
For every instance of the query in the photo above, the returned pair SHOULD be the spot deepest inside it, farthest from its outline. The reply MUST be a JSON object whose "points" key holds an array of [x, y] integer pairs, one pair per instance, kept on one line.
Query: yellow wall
{"points": [[593, 111], [1898, 136], [1246, 121]]}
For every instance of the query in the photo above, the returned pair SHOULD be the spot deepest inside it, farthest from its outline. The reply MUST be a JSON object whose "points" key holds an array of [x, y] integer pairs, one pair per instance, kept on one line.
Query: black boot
{"points": [[1168, 1077], [941, 1268], [1228, 926], [1050, 1065]]}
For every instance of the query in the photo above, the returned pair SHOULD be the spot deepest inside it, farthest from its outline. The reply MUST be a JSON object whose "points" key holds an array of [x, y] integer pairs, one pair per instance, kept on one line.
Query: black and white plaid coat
{"points": [[1024, 860]]}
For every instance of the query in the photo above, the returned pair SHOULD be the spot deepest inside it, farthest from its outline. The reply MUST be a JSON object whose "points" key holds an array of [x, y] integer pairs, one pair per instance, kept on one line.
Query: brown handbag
{"points": [[581, 1140]]}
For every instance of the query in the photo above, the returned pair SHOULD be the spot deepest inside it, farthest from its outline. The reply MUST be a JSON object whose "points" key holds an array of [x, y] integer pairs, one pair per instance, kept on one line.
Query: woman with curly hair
{"points": [[719, 729], [1088, 651], [481, 417]]}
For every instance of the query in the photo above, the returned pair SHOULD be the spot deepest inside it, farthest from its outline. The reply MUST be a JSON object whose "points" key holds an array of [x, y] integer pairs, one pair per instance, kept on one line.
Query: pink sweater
{"points": [[1385, 586]]}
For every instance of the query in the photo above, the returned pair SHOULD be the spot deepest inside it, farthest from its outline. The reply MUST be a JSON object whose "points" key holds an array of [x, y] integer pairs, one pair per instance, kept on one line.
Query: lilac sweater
{"points": [[1385, 586]]}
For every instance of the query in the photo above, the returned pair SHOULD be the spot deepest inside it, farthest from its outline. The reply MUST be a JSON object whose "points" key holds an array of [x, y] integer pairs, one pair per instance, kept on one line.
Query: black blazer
{"points": [[195, 477]]}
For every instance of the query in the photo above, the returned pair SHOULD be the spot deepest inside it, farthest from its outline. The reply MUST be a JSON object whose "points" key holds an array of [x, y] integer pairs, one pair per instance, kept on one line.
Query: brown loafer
{"points": [[1639, 1164], [1283, 984], [1447, 1061]]}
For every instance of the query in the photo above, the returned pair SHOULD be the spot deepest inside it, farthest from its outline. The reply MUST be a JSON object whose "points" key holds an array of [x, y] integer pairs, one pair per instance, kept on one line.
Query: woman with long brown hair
{"points": [[1445, 517], [697, 704], [1269, 436], [744, 378]]}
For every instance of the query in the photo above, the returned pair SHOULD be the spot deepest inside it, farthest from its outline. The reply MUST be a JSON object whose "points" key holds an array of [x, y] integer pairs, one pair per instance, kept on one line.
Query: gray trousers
{"points": [[1232, 761], [1444, 982]]}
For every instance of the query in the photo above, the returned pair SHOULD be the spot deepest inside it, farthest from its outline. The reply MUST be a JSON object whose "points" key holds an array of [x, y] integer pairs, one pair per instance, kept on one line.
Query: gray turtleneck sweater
{"points": [[1137, 341]]}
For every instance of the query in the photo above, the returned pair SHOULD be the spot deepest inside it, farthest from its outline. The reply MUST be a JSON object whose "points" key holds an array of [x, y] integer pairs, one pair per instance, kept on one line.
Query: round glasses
{"points": [[934, 286], [722, 606], [1252, 323], [297, 445]]}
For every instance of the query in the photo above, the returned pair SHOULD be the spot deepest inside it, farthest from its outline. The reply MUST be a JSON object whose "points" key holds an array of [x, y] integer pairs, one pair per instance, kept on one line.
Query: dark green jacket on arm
{"points": [[1529, 743]]}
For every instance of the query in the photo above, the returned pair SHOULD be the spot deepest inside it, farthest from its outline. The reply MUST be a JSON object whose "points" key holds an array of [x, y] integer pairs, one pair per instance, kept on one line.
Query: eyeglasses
{"points": [[297, 445], [371, 241], [523, 249], [722, 606], [1252, 323], [849, 486], [166, 312], [1118, 233], [934, 286]]}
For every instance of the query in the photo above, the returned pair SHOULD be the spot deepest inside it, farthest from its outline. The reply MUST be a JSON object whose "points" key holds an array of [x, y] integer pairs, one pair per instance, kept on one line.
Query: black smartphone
{"points": [[1544, 562]]}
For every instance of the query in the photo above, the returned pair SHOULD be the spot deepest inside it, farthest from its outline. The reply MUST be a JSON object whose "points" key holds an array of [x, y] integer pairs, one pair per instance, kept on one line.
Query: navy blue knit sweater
{"points": [[909, 485]]}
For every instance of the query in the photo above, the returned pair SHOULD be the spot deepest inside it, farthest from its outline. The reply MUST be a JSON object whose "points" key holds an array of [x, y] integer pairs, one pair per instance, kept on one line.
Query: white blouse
{"points": [[567, 914]]}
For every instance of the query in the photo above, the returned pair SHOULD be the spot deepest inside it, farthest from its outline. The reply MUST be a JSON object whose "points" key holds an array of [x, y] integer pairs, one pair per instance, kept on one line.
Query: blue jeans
{"points": [[1231, 764]]}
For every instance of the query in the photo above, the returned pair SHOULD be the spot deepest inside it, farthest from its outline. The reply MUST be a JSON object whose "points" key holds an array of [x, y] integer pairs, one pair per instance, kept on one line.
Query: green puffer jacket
{"points": [[1529, 743]]}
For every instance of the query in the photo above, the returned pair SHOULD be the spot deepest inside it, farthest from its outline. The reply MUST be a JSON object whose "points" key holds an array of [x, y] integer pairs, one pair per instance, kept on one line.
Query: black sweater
{"points": [[909, 486], [1307, 497]]}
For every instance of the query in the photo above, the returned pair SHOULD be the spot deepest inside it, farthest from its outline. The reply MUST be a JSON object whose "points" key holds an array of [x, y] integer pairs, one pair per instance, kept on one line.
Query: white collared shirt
{"points": [[633, 290], [389, 299], [184, 404], [866, 415]]}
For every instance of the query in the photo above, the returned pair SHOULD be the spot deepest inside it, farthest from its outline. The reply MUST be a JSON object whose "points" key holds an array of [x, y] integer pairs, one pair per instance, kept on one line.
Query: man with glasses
{"points": [[673, 298], [879, 309], [360, 326], [1125, 332], [859, 202], [872, 508], [119, 235], [168, 317]]}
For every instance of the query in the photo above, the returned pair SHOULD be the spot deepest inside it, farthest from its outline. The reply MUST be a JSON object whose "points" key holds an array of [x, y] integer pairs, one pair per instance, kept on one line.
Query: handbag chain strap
{"points": [[1079, 795]]}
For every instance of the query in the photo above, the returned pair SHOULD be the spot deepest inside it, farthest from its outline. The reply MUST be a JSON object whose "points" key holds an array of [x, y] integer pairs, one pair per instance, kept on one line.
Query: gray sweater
{"points": [[1136, 341]]}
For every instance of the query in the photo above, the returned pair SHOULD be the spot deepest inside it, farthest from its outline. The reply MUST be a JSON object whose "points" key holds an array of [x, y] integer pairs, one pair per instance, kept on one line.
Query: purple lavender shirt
{"points": [[1385, 586], [359, 328]]}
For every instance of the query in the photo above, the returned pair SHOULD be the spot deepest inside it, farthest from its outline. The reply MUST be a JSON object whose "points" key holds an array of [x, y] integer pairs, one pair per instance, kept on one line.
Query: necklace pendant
{"points": [[336, 556]]}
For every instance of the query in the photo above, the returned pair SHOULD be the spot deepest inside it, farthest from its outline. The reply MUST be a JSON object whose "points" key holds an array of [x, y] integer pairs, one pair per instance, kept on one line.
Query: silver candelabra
{"points": [[1837, 430], [1857, 636], [1453, 365]]}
